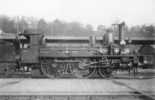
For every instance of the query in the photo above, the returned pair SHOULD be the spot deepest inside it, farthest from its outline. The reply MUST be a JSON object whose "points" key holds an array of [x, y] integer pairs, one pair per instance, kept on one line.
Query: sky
{"points": [[95, 12]]}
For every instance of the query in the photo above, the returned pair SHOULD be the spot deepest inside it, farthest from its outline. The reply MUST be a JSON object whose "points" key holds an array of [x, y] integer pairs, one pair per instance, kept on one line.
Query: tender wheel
{"points": [[105, 72], [48, 70]]}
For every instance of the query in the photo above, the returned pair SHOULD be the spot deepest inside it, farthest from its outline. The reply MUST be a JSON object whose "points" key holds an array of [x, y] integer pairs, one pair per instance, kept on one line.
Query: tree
{"points": [[58, 27], [42, 26], [22, 25], [101, 29], [7, 25], [148, 30], [89, 29], [75, 28]]}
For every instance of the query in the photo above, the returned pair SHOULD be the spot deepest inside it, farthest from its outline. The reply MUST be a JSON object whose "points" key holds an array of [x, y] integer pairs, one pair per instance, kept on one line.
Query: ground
{"points": [[120, 88], [76, 86]]}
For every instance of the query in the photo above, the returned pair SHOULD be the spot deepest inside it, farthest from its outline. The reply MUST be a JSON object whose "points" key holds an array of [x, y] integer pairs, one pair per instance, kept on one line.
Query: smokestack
{"points": [[120, 31]]}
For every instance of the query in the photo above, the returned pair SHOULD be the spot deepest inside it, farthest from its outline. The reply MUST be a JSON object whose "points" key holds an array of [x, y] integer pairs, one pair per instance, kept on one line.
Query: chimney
{"points": [[120, 31]]}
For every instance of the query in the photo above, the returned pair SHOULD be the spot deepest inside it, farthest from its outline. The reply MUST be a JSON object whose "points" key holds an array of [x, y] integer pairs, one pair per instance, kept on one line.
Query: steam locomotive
{"points": [[56, 57]]}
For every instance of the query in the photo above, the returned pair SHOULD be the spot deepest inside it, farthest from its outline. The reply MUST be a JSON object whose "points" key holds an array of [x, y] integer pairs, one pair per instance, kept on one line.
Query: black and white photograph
{"points": [[77, 49]]}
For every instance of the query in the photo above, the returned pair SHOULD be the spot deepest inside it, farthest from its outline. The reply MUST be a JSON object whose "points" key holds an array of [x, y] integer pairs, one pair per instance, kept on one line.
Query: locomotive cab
{"points": [[30, 48]]}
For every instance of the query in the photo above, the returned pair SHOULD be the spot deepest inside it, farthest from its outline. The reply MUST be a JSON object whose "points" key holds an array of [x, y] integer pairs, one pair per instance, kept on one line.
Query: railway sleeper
{"points": [[76, 97]]}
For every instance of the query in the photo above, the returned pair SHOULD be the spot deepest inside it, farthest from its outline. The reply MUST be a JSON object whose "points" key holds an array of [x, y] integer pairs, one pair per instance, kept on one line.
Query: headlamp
{"points": [[116, 50]]}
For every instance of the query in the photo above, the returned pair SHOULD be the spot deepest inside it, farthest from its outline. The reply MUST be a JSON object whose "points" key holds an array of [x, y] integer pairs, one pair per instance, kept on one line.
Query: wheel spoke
{"points": [[91, 73], [85, 73], [104, 72]]}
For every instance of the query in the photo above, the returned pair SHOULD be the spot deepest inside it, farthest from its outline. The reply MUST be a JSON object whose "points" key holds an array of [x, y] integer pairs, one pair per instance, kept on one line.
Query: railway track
{"points": [[141, 95], [141, 74]]}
